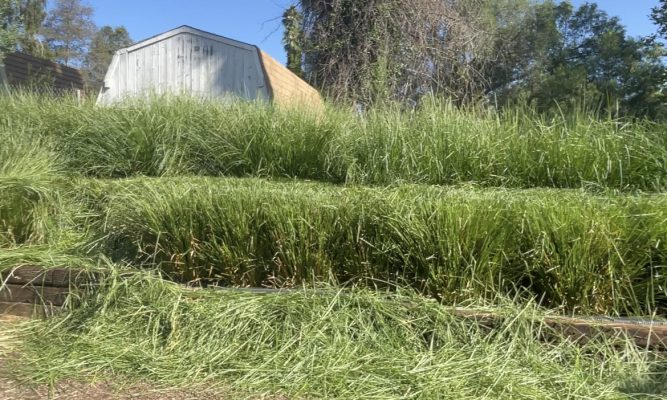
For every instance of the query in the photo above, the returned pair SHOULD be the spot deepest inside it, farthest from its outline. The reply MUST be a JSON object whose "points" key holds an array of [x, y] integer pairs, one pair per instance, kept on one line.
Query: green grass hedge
{"points": [[436, 144], [587, 253]]}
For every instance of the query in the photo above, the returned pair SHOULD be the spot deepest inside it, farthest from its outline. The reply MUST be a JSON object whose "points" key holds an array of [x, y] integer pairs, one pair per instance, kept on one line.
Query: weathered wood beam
{"points": [[28, 310], [35, 291], [33, 294], [57, 277]]}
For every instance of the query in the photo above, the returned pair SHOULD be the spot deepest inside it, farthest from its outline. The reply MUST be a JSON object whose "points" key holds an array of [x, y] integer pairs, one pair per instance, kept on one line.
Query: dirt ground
{"points": [[11, 389]]}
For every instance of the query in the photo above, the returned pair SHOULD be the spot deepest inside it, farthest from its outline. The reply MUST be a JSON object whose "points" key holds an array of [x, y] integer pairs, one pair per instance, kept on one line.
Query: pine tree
{"points": [[659, 16], [9, 26], [293, 39]]}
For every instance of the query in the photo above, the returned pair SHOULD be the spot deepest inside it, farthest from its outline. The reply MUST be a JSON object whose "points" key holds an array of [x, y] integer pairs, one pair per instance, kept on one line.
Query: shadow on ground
{"points": [[653, 384]]}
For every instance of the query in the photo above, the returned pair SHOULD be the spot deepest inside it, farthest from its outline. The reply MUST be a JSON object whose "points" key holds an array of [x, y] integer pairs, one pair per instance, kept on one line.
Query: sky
{"points": [[258, 21]]}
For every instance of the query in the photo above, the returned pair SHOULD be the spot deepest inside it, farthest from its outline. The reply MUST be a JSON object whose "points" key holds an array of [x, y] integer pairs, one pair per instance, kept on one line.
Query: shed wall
{"points": [[186, 63]]}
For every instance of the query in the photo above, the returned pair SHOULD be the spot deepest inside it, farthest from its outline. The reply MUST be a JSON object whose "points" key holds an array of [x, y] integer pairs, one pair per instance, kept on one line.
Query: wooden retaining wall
{"points": [[31, 291], [645, 334]]}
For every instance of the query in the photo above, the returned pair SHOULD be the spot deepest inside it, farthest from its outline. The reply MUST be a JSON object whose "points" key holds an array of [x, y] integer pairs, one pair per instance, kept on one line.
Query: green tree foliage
{"points": [[105, 43], [659, 16], [562, 57], [33, 14], [10, 23], [370, 51], [548, 54], [293, 39], [22, 22], [69, 29]]}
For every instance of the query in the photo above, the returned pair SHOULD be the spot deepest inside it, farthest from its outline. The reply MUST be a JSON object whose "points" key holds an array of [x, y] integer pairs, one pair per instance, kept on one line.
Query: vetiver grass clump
{"points": [[324, 344], [42, 222], [28, 167], [586, 253], [436, 144], [603, 253], [600, 248]]}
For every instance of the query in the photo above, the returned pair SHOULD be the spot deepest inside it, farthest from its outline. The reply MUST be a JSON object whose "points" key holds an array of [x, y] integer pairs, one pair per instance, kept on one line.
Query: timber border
{"points": [[36, 292]]}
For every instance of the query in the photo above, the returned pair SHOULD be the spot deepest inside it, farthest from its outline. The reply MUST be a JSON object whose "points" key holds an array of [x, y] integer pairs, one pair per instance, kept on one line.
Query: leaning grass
{"points": [[327, 343], [596, 250], [28, 168], [46, 256], [9, 341], [436, 144], [588, 253]]}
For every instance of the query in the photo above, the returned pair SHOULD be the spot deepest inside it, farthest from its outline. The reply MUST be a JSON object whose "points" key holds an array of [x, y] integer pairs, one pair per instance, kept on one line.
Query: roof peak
{"points": [[189, 29]]}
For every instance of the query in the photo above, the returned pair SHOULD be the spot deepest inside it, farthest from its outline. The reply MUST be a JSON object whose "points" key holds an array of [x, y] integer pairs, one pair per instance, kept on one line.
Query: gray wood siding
{"points": [[185, 63]]}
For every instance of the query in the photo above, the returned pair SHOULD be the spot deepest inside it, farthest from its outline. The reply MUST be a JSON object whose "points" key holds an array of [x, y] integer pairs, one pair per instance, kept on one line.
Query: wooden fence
{"points": [[23, 70]]}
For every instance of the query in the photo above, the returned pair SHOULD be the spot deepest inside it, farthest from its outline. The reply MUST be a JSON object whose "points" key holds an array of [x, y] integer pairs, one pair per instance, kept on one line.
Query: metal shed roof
{"points": [[188, 29]]}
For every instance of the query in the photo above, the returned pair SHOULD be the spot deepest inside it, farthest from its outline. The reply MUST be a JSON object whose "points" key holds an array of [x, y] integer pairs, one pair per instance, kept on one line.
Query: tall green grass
{"points": [[27, 169], [311, 344], [582, 252], [41, 219], [594, 243], [436, 144], [570, 249]]}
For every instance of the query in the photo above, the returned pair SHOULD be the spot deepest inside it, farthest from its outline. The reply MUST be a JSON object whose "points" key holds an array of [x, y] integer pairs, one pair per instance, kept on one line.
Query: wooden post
{"points": [[4, 83]]}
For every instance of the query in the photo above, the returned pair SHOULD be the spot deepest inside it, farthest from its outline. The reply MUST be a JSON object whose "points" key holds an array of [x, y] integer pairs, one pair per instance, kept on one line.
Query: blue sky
{"points": [[258, 21]]}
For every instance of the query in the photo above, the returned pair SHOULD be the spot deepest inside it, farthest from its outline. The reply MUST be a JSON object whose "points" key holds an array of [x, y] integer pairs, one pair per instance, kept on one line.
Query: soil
{"points": [[10, 389]]}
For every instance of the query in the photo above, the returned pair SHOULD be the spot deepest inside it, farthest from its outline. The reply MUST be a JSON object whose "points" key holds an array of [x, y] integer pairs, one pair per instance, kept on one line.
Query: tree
{"points": [[373, 51], [21, 26], [566, 57], [548, 54], [293, 39], [659, 16], [68, 30], [33, 14], [9, 26], [105, 43]]}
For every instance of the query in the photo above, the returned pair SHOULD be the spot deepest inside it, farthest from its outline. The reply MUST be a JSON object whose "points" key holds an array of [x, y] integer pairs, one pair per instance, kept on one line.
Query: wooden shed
{"points": [[190, 61], [22, 70]]}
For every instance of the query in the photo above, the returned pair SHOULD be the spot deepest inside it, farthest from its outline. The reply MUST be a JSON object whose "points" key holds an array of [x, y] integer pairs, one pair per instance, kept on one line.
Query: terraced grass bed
{"points": [[460, 206], [436, 144], [356, 344], [591, 253], [581, 252]]}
